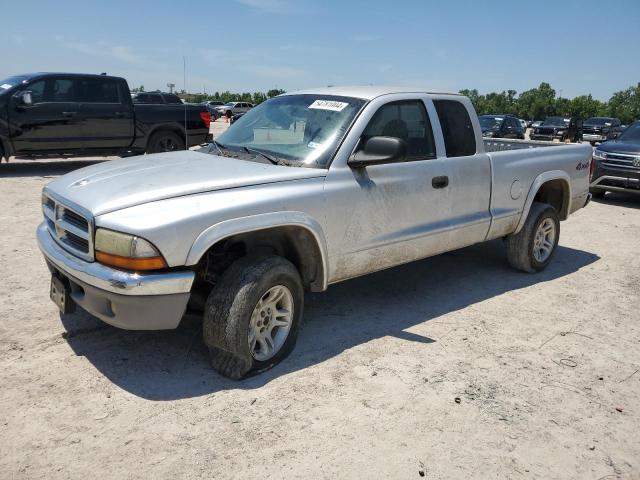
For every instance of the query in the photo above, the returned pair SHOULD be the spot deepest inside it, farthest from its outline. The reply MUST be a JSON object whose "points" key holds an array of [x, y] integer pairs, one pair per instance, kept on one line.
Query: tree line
{"points": [[541, 102]]}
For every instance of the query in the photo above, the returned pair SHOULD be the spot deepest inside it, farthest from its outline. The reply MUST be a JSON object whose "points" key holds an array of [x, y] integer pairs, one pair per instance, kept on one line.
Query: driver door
{"points": [[53, 122]]}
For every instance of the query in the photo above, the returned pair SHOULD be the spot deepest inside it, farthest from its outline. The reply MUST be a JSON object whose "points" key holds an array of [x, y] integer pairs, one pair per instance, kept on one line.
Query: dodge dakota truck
{"points": [[305, 190], [79, 114]]}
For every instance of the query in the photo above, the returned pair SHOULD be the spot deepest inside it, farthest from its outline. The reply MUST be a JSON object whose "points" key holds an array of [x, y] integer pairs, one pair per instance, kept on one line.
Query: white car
{"points": [[234, 108], [523, 123]]}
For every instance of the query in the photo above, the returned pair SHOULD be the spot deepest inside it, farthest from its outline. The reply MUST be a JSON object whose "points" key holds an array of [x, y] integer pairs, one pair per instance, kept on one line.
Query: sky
{"points": [[578, 46]]}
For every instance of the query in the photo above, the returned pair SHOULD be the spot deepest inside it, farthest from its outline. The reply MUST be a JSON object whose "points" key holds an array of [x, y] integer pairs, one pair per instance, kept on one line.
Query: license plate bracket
{"points": [[59, 294]]}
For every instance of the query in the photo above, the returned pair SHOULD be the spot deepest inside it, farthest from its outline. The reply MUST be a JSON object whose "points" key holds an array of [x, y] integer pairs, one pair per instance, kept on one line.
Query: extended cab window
{"points": [[407, 120], [459, 137], [98, 90]]}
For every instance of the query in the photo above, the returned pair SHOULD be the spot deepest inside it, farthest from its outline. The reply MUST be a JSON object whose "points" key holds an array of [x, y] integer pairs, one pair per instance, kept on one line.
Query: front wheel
{"points": [[532, 248], [252, 315]]}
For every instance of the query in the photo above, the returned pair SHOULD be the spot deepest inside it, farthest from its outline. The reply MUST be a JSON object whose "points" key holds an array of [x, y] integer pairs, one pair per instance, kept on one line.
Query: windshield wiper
{"points": [[219, 146], [253, 150]]}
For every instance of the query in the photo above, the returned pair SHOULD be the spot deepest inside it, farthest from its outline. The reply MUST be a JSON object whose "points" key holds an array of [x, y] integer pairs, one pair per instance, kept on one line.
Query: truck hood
{"points": [[119, 184], [620, 146]]}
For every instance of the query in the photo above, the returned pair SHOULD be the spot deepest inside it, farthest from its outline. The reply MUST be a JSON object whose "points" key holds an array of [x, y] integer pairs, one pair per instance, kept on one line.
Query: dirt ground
{"points": [[452, 367]]}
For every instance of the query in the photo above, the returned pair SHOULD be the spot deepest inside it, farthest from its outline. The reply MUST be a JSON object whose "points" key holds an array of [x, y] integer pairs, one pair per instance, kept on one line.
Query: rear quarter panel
{"points": [[517, 175]]}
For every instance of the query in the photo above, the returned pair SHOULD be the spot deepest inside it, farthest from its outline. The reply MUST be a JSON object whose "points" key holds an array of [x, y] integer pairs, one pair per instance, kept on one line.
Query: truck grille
{"points": [[70, 229], [621, 160]]}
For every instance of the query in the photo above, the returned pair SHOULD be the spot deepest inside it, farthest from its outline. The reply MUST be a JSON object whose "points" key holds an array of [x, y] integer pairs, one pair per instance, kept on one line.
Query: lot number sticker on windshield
{"points": [[329, 105]]}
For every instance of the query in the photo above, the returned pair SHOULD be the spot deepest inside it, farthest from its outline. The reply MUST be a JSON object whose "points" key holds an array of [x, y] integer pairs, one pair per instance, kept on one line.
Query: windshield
{"points": [[10, 82], [631, 134], [597, 121], [489, 122], [555, 122], [300, 130]]}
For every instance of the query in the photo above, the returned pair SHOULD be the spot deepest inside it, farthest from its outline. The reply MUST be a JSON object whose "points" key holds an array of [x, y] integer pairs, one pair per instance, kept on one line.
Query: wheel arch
{"points": [[554, 188], [166, 127], [293, 235]]}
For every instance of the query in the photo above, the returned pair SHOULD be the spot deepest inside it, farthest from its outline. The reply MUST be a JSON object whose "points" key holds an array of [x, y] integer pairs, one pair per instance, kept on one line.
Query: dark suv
{"points": [[601, 129], [501, 126], [560, 128], [157, 98], [616, 164]]}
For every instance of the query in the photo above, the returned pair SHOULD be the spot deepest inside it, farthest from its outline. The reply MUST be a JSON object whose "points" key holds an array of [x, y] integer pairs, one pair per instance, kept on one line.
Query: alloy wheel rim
{"points": [[544, 240], [270, 323]]}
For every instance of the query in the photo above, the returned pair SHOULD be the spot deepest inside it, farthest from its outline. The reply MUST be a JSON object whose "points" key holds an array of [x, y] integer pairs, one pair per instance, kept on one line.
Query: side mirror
{"points": [[379, 150], [25, 99]]}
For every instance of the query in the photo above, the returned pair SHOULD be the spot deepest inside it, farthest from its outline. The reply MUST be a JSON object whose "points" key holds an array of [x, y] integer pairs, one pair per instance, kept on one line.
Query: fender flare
{"points": [[535, 187], [263, 221]]}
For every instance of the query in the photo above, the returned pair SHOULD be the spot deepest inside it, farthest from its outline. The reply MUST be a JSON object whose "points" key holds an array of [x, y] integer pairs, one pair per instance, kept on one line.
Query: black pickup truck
{"points": [[78, 114]]}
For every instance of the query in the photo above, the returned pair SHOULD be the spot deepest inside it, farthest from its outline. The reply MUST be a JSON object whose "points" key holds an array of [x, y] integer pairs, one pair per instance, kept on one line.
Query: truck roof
{"points": [[33, 75], [367, 92]]}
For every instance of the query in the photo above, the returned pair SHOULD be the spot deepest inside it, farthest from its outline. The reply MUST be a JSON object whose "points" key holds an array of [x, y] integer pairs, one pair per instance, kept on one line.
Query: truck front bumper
{"points": [[592, 137], [129, 300]]}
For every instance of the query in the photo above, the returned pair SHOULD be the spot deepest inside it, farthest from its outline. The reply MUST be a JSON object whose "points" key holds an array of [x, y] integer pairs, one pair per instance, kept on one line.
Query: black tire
{"points": [[593, 144], [520, 247], [165, 141], [597, 193], [229, 307]]}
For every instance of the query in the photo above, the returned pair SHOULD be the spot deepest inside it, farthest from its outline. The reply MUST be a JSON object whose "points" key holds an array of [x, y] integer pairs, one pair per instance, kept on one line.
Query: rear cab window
{"points": [[457, 129], [98, 90]]}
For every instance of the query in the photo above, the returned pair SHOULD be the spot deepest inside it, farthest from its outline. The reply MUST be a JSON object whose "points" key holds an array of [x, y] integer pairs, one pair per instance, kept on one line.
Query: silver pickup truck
{"points": [[305, 190]]}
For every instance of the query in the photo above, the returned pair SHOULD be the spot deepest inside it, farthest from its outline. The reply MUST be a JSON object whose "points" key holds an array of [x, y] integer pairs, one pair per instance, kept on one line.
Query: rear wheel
{"points": [[532, 248], [252, 315], [165, 141]]}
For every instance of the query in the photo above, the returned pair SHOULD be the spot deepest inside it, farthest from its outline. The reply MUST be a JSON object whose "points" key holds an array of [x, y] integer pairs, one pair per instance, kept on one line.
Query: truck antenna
{"points": [[184, 82]]}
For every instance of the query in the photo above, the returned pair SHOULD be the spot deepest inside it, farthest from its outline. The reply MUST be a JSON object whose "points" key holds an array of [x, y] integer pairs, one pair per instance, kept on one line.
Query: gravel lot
{"points": [[452, 367]]}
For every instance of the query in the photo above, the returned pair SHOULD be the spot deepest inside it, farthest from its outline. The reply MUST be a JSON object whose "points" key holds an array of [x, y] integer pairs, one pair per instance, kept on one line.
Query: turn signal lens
{"points": [[128, 263], [125, 251]]}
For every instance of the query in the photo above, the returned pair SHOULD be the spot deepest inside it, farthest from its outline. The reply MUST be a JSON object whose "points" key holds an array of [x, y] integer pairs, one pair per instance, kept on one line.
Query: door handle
{"points": [[440, 182], [69, 114]]}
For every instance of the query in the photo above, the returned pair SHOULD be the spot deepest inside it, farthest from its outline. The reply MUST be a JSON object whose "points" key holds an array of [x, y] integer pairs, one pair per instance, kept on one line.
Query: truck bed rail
{"points": [[501, 144]]}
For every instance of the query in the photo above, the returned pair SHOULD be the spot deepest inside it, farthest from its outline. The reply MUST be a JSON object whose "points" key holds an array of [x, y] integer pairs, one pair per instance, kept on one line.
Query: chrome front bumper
{"points": [[592, 137], [135, 301]]}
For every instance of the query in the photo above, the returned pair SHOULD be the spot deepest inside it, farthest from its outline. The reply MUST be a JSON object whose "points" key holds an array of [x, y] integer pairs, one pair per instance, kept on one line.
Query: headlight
{"points": [[599, 155], [127, 251]]}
